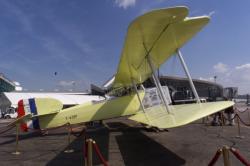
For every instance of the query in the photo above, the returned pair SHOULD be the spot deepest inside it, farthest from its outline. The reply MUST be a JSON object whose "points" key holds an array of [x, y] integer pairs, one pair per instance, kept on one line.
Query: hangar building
{"points": [[5, 84], [180, 88]]}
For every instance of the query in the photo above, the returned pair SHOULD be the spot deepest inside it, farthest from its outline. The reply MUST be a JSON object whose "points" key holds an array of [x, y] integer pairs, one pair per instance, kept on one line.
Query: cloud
{"points": [[243, 67], [211, 13], [236, 76], [125, 3], [72, 85], [220, 68], [207, 79], [66, 83]]}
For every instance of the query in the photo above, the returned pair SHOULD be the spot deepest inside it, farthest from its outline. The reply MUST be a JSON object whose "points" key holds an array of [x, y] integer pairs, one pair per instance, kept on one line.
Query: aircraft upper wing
{"points": [[157, 116], [159, 34]]}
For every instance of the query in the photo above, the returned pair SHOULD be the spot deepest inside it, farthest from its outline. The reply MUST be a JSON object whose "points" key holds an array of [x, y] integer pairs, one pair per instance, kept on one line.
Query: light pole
{"points": [[215, 77]]}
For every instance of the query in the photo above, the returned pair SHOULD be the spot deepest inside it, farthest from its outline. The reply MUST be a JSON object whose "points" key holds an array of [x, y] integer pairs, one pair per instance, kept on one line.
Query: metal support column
{"points": [[90, 152], [138, 96], [69, 134], [188, 75], [17, 141], [158, 84], [225, 151]]}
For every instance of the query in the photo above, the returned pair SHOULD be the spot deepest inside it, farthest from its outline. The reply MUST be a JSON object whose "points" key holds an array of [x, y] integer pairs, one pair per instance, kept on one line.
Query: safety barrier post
{"points": [[225, 151], [238, 126], [17, 140], [222, 118], [89, 152], [248, 114], [69, 134]]}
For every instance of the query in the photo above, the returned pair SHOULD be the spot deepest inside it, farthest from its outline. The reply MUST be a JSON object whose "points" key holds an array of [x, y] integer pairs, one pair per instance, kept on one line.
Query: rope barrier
{"points": [[239, 157], [231, 118], [238, 110], [97, 150], [6, 130], [75, 134], [64, 125], [215, 158], [232, 150], [236, 115], [242, 121]]}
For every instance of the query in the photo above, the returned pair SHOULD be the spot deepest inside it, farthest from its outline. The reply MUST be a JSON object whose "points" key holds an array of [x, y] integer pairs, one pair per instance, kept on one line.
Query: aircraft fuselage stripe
{"points": [[21, 112], [33, 109]]}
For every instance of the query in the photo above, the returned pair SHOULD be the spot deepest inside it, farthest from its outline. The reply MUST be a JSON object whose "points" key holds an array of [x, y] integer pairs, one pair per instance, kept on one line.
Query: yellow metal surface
{"points": [[116, 107], [159, 33], [46, 106], [180, 114]]}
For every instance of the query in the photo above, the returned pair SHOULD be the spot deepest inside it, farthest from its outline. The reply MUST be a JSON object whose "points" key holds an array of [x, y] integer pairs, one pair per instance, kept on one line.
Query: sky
{"points": [[66, 45]]}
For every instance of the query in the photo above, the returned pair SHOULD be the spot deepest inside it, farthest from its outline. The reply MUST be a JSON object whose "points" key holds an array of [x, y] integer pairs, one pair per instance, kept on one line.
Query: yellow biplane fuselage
{"points": [[92, 111]]}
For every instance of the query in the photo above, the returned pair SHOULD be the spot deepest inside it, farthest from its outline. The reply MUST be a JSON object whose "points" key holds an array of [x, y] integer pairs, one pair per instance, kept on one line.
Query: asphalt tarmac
{"points": [[124, 142]]}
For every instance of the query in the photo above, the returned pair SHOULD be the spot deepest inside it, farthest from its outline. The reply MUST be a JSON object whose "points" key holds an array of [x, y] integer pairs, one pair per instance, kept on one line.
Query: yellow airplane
{"points": [[151, 39]]}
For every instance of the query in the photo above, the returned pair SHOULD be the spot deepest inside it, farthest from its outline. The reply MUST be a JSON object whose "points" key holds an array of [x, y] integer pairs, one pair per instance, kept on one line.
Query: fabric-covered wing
{"points": [[180, 114], [159, 34]]}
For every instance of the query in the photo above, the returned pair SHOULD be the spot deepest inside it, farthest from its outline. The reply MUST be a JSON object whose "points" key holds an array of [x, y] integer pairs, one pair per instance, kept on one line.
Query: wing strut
{"points": [[142, 106], [157, 83], [188, 75]]}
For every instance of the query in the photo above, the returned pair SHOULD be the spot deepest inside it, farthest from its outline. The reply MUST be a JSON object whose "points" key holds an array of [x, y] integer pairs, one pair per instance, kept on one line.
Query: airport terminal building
{"points": [[180, 88], [5, 84]]}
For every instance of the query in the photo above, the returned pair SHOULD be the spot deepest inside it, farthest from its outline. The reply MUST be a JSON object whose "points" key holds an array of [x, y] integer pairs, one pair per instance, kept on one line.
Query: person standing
{"points": [[230, 115]]}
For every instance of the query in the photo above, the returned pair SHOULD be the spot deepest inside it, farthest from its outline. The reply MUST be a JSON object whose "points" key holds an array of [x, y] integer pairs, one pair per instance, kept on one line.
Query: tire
{"points": [[7, 117]]}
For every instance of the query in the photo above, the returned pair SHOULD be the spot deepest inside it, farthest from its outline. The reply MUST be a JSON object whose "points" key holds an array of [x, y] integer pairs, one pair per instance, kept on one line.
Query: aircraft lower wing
{"points": [[157, 116]]}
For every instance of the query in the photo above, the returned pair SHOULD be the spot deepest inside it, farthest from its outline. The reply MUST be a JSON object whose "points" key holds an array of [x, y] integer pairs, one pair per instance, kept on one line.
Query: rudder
{"points": [[36, 107]]}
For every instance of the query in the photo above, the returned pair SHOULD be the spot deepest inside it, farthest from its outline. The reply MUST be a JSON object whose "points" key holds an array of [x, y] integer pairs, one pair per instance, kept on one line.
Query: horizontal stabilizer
{"points": [[21, 119], [157, 116]]}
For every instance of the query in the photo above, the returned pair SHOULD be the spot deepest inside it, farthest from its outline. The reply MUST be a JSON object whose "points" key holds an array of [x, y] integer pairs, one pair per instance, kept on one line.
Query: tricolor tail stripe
{"points": [[25, 107], [33, 109], [21, 112]]}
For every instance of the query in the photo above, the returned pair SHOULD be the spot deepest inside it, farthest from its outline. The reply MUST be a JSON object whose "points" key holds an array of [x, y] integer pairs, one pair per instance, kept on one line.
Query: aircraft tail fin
{"points": [[29, 111], [180, 115]]}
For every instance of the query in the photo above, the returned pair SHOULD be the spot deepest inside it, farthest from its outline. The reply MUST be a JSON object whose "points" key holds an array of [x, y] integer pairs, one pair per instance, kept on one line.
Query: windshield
{"points": [[152, 98]]}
